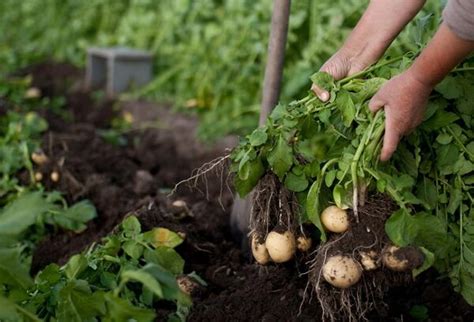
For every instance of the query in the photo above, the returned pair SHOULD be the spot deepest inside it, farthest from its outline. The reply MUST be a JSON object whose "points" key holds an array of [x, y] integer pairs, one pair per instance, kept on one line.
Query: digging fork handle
{"points": [[275, 58]]}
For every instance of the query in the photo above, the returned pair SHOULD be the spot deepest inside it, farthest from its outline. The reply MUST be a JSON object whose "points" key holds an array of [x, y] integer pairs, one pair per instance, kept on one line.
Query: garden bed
{"points": [[136, 177]]}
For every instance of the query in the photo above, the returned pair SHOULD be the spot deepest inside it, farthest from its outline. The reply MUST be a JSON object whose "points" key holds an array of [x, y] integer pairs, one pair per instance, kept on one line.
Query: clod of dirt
{"points": [[143, 183]]}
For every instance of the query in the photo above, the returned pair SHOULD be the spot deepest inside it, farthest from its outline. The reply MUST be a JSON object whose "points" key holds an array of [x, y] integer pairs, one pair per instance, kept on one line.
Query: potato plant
{"points": [[327, 155], [117, 280]]}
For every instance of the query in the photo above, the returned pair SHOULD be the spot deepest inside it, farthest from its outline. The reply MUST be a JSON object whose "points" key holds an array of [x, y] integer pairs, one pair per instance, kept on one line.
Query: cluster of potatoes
{"points": [[343, 271], [279, 245], [40, 158]]}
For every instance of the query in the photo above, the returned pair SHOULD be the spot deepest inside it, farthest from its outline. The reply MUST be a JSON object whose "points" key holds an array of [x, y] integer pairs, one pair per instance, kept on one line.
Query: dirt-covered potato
{"points": [[259, 250], [342, 271], [54, 176], [402, 259], [281, 245], [39, 157], [303, 243], [187, 284], [335, 219], [369, 260]]}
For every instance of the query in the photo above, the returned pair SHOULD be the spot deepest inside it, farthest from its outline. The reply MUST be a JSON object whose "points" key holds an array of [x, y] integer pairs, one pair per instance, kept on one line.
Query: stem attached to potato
{"points": [[355, 161]]}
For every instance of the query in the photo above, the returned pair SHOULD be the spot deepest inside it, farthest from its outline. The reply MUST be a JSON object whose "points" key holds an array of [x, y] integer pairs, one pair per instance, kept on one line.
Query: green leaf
{"points": [[23, 212], [171, 290], [313, 209], [345, 104], [444, 138], [122, 310], [131, 226], [77, 303], [166, 257], [12, 270], [281, 158], [133, 249], [427, 263], [439, 120], [75, 266], [258, 137], [323, 80], [370, 87], [146, 279], [454, 200], [401, 228], [427, 192], [163, 237], [254, 172], [450, 88], [419, 312], [296, 183], [340, 196], [447, 155], [329, 178], [8, 310], [75, 217]]}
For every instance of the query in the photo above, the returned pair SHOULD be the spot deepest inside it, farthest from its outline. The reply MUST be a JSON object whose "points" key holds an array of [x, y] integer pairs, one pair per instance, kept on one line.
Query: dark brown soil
{"points": [[136, 176]]}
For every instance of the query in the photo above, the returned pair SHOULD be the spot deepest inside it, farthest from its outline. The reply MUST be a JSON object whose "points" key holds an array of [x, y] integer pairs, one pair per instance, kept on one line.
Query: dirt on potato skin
{"points": [[111, 177]]}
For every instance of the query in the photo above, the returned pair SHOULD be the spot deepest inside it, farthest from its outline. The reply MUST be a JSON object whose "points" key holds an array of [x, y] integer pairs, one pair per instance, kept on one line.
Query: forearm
{"points": [[381, 23], [442, 54]]}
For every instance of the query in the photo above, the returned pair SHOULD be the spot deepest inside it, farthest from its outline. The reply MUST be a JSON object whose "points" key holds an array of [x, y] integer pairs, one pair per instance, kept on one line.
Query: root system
{"points": [[354, 303]]}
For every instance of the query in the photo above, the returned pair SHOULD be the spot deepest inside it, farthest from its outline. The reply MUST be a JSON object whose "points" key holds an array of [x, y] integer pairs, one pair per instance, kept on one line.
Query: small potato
{"points": [[180, 204], [187, 284], [54, 176], [38, 176], [281, 245], [369, 260], [39, 157], [402, 259], [33, 92], [259, 250], [342, 271], [335, 219], [303, 243]]}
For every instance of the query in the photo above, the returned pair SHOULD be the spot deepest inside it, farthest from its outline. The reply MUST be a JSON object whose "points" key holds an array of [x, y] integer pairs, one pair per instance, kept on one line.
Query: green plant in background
{"points": [[209, 55], [118, 280]]}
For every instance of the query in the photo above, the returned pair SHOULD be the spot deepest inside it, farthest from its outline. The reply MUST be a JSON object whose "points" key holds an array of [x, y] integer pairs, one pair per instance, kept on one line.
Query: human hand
{"points": [[403, 99], [343, 63]]}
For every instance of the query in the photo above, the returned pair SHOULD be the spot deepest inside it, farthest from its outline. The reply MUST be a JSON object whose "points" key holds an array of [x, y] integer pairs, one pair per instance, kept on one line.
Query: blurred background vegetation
{"points": [[209, 54]]}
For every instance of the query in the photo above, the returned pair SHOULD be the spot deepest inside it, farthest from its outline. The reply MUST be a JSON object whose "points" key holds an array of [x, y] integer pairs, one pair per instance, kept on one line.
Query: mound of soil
{"points": [[137, 176]]}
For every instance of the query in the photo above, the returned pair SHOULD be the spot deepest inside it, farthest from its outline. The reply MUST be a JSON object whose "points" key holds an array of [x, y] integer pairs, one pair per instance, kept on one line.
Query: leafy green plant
{"points": [[329, 153], [209, 55], [118, 280]]}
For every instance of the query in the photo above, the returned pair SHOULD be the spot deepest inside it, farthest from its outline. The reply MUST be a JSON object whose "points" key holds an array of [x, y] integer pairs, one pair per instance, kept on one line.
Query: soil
{"points": [[137, 176]]}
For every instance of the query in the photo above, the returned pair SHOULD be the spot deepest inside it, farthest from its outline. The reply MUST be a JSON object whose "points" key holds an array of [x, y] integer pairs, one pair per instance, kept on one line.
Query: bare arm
{"points": [[380, 24], [404, 97], [442, 54]]}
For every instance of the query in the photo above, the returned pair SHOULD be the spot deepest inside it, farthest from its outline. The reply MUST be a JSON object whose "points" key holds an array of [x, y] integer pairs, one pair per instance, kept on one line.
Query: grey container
{"points": [[118, 68]]}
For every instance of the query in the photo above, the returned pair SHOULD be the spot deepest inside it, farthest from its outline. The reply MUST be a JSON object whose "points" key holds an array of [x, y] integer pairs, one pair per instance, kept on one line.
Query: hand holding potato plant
{"points": [[327, 153]]}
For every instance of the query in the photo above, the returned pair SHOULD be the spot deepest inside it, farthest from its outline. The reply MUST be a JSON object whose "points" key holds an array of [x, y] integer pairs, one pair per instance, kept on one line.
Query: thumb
{"points": [[376, 103], [390, 139], [322, 94]]}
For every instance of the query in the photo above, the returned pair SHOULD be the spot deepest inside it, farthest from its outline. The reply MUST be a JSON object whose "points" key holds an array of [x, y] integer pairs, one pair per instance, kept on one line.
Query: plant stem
{"points": [[462, 69], [360, 149], [368, 70], [461, 145], [393, 193], [30, 315]]}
